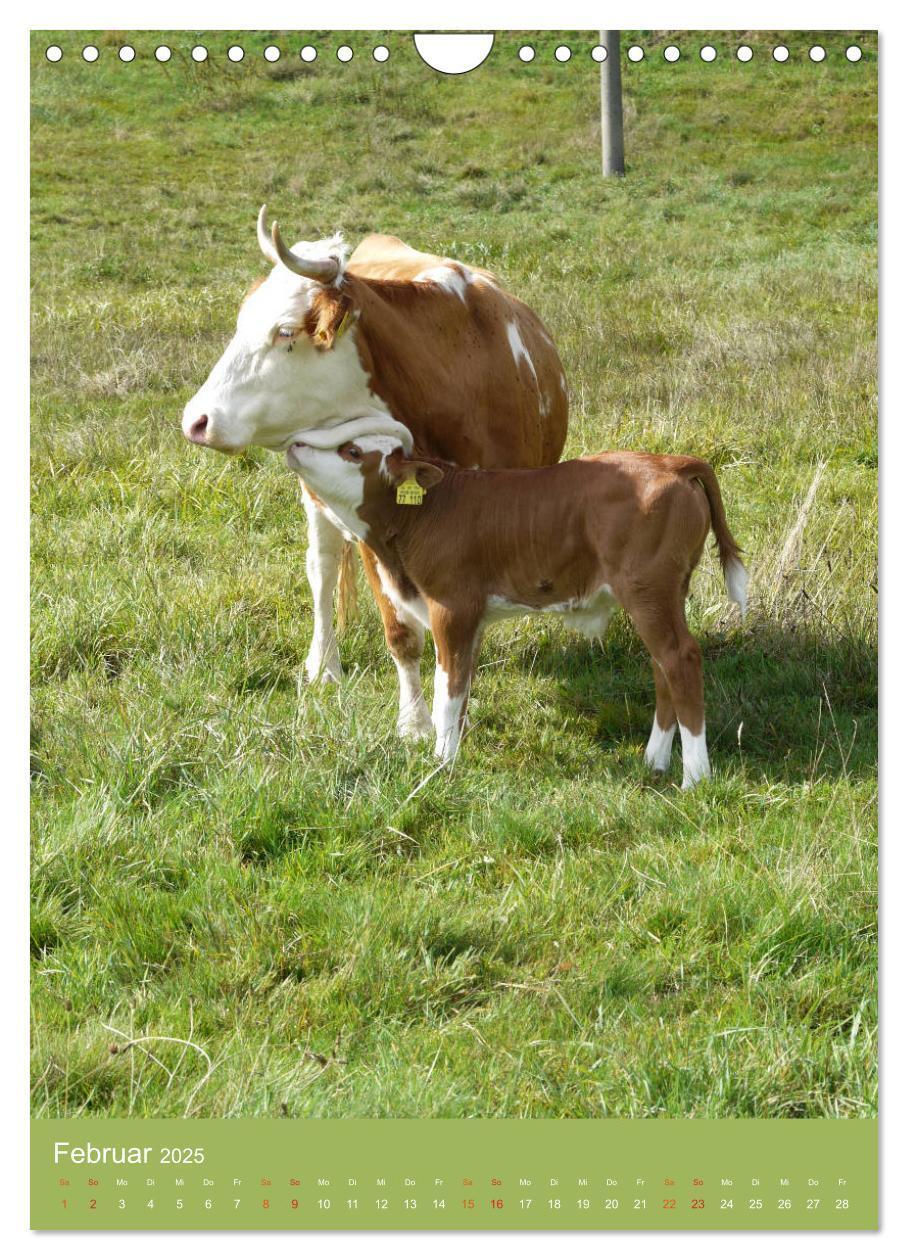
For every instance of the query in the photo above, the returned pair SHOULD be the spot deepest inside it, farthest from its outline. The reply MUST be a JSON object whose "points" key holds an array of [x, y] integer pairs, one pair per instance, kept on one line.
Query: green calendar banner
{"points": [[454, 1174]]}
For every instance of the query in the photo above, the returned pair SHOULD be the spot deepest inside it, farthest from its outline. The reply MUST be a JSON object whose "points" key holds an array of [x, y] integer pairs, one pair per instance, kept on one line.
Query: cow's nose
{"points": [[197, 430]]}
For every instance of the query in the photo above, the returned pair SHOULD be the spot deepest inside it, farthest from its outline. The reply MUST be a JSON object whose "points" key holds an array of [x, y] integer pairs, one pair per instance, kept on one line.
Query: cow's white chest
{"points": [[589, 616]]}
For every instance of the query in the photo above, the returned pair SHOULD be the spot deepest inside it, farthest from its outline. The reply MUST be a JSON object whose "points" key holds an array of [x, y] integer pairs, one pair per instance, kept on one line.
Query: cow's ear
{"points": [[428, 475], [328, 318]]}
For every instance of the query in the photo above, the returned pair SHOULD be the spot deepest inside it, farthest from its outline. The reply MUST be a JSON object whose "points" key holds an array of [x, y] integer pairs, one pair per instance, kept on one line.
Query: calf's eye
{"points": [[286, 332]]}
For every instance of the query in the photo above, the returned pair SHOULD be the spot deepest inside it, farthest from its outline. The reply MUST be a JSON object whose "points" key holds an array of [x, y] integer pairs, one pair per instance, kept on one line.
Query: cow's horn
{"points": [[323, 269], [265, 244]]}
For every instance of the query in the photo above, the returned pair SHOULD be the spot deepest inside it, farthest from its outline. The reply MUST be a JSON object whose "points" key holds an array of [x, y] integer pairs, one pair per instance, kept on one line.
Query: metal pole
{"points": [[612, 112]]}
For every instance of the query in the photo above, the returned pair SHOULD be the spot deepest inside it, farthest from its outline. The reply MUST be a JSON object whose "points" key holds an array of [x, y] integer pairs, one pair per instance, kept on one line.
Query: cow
{"points": [[579, 538], [399, 336]]}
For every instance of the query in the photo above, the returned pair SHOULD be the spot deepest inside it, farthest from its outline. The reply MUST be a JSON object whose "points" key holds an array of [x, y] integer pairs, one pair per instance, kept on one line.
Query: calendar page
{"points": [[454, 608]]}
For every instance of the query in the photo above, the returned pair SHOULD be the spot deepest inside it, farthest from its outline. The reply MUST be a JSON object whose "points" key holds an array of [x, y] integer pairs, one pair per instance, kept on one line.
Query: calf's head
{"points": [[289, 364], [357, 480]]}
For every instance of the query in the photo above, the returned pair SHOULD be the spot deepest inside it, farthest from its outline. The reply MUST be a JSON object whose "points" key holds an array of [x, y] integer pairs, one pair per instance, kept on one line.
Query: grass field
{"points": [[247, 898]]}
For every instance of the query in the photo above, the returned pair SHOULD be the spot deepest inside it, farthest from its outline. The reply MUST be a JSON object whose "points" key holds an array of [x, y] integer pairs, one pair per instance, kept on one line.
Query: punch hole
{"points": [[199, 53], [381, 53], [853, 53], [235, 52], [527, 52], [127, 53], [672, 53], [345, 53], [308, 53], [453, 54], [745, 53], [817, 53], [635, 53], [162, 53], [562, 53], [599, 53], [707, 53], [90, 53], [780, 53], [53, 53], [272, 53]]}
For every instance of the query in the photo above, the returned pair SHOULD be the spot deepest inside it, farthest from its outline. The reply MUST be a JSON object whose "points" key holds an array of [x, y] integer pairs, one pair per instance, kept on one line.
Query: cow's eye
{"points": [[286, 331], [355, 453]]}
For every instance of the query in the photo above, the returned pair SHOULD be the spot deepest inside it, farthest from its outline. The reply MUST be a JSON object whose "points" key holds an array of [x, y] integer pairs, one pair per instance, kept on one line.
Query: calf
{"points": [[457, 549]]}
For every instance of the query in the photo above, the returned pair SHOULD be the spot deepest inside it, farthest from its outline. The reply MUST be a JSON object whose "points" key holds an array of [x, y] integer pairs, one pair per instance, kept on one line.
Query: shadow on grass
{"points": [[805, 704]]}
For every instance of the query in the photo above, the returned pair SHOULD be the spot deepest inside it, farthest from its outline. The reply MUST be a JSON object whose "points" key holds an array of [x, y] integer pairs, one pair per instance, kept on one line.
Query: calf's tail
{"points": [[346, 587], [736, 579]]}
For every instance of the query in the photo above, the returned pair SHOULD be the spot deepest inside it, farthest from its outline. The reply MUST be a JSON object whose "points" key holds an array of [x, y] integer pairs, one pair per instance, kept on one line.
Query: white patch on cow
{"points": [[454, 279], [414, 720], [447, 714], [338, 482], [518, 349], [658, 753], [499, 608], [736, 583], [696, 758], [412, 612], [590, 615], [322, 567]]}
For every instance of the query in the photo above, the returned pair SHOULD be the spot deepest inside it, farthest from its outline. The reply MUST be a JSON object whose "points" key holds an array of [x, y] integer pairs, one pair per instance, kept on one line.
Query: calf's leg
{"points": [[405, 637], [658, 753], [323, 559], [677, 653], [456, 647]]}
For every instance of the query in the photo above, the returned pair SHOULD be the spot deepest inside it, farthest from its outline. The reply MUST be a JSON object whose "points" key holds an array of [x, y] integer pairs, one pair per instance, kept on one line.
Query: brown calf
{"points": [[578, 539]]}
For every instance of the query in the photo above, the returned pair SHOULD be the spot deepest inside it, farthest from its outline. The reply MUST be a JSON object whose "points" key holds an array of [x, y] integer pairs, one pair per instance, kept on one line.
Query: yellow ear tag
{"points": [[410, 491]]}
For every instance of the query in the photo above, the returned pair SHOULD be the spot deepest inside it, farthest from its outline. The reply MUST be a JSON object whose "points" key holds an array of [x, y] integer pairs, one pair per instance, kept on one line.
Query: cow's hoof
{"points": [[326, 670], [415, 727]]}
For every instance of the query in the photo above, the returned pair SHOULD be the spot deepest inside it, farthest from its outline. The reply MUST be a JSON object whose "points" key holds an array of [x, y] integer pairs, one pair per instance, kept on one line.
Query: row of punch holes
{"points": [[381, 53]]}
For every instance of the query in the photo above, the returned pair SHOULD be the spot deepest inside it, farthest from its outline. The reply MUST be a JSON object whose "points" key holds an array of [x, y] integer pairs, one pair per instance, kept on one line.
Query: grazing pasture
{"points": [[248, 897]]}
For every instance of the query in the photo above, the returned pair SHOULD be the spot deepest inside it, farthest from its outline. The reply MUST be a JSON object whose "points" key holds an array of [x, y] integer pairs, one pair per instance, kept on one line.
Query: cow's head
{"points": [[290, 364]]}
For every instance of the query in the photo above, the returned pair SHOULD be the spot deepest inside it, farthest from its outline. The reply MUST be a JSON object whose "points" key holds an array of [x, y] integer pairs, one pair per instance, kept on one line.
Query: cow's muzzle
{"points": [[197, 431]]}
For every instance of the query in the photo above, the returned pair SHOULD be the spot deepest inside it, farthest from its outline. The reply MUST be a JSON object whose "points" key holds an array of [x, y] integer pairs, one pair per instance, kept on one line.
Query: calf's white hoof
{"points": [[658, 753], [696, 758]]}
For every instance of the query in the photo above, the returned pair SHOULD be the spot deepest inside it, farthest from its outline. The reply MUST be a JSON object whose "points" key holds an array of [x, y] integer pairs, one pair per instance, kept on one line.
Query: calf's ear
{"points": [[427, 475]]}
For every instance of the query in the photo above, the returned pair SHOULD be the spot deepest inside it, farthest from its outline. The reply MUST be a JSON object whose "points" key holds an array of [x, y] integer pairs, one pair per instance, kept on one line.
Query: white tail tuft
{"points": [[736, 581]]}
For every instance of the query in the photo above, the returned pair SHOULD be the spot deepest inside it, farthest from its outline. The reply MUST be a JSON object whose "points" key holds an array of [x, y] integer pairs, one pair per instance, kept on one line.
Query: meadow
{"points": [[248, 897]]}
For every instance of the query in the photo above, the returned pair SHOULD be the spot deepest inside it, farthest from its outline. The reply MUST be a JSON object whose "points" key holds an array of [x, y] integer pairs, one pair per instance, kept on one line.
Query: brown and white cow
{"points": [[422, 340], [579, 539]]}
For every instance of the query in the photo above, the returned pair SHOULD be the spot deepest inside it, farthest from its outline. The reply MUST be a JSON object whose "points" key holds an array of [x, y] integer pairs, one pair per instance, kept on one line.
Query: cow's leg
{"points": [[405, 637], [675, 650], [456, 648], [658, 753], [323, 559]]}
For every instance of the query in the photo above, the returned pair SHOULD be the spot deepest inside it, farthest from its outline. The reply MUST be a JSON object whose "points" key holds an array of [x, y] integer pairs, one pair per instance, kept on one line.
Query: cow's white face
{"points": [[271, 383]]}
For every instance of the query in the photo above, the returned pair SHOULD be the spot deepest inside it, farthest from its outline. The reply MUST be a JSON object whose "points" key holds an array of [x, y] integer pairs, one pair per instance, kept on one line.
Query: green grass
{"points": [[225, 856]]}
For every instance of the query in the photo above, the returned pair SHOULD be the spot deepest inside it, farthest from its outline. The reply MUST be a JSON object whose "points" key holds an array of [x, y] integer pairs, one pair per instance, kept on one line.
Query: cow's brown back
{"points": [[469, 368]]}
